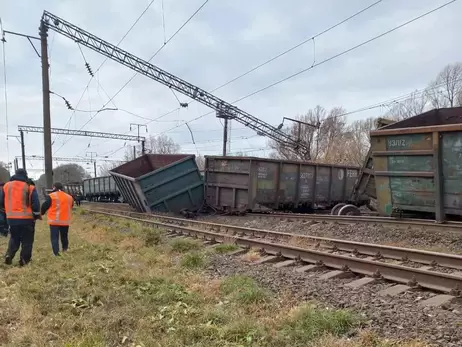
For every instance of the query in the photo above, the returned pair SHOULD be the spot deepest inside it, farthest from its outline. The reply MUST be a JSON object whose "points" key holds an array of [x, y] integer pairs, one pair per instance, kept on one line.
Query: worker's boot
{"points": [[8, 260]]}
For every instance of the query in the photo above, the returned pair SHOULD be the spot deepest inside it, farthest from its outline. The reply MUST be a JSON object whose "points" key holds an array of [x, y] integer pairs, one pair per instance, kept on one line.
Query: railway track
{"points": [[416, 268], [413, 222], [403, 222]]}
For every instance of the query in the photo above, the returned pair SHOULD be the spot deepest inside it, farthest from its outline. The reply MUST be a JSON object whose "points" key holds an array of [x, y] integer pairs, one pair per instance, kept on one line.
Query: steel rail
{"points": [[417, 277], [364, 219], [378, 251]]}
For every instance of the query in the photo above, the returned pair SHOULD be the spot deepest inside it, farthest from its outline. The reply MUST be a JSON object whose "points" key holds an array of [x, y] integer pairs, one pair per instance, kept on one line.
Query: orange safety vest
{"points": [[59, 212], [18, 200]]}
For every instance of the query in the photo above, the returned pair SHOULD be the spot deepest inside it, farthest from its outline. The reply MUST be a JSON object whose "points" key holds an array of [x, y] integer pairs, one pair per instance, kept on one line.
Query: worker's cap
{"points": [[21, 172], [30, 182], [58, 185]]}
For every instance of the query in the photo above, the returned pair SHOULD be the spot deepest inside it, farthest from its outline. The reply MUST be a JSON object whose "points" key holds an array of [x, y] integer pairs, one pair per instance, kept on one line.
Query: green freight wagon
{"points": [[161, 183], [418, 164]]}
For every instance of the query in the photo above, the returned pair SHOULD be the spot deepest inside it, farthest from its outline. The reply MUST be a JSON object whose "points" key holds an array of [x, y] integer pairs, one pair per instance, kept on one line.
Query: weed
{"points": [[244, 290], [82, 212], [310, 323], [225, 248], [184, 245], [152, 236], [194, 260]]}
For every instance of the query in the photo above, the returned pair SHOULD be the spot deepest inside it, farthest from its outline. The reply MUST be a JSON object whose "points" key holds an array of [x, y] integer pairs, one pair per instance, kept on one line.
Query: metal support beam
{"points": [[33, 129], [225, 135], [70, 159], [46, 106]]}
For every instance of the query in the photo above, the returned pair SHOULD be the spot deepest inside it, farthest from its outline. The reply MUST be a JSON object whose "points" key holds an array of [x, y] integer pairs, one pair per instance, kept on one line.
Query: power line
{"points": [[152, 57], [310, 39], [101, 65], [322, 62]]}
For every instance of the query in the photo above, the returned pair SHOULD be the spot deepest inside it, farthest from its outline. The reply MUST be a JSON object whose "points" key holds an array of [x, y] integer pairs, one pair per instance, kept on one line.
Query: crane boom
{"points": [[222, 108]]}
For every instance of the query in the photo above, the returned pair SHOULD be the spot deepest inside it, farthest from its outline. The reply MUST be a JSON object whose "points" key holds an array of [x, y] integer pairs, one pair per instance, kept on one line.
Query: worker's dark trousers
{"points": [[57, 231], [21, 235]]}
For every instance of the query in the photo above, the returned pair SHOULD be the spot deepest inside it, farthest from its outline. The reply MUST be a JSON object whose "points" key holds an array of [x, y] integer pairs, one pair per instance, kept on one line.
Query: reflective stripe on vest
{"points": [[12, 209], [59, 213]]}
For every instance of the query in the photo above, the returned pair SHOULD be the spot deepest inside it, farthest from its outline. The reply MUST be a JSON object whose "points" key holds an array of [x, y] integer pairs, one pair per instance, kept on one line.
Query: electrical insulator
{"points": [[89, 69], [68, 105]]}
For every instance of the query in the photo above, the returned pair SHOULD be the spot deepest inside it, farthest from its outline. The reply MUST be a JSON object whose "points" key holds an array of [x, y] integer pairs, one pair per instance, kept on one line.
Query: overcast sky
{"points": [[225, 39]]}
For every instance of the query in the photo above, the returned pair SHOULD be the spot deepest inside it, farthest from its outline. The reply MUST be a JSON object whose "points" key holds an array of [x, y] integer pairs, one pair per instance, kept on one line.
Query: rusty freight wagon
{"points": [[418, 164], [161, 182], [256, 184]]}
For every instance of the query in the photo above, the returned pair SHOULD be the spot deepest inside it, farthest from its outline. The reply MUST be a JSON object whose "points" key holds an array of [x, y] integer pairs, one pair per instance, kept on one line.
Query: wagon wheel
{"points": [[335, 210], [349, 210]]}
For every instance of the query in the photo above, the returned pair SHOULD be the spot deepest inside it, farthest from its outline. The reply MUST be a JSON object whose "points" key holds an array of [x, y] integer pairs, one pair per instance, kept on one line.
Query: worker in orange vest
{"points": [[59, 206], [21, 204]]}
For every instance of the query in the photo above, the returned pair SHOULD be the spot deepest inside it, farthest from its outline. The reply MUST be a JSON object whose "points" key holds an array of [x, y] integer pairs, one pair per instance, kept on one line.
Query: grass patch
{"points": [[225, 248], [151, 236], [121, 285], [184, 245], [244, 290], [309, 323], [194, 260]]}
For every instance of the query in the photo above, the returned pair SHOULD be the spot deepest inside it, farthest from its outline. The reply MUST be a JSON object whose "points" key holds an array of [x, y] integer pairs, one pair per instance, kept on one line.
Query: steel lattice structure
{"points": [[34, 129], [69, 159], [222, 108]]}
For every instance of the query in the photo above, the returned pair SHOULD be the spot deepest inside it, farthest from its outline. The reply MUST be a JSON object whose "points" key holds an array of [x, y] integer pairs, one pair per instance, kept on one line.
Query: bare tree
{"points": [[4, 173], [320, 140], [446, 89], [161, 144], [105, 167], [416, 104]]}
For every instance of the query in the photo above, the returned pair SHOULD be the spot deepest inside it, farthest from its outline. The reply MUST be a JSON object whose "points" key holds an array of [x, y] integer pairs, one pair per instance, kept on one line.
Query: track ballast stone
{"points": [[415, 237], [394, 318]]}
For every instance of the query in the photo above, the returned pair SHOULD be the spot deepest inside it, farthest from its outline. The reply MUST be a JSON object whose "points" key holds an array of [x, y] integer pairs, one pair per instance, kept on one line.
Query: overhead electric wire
{"points": [[323, 61], [264, 63], [134, 75], [312, 38], [104, 61], [162, 47]]}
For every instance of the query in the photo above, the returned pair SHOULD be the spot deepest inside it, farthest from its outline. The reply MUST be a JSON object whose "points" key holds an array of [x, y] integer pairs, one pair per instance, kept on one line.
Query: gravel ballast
{"points": [[395, 318], [421, 238]]}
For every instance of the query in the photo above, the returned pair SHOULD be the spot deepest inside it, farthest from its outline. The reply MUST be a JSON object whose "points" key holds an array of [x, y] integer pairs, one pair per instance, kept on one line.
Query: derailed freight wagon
{"points": [[101, 189], [161, 182], [255, 184], [418, 164]]}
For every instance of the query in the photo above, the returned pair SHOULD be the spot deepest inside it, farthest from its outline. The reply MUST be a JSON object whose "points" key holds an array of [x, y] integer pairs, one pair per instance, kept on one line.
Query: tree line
{"points": [[337, 142]]}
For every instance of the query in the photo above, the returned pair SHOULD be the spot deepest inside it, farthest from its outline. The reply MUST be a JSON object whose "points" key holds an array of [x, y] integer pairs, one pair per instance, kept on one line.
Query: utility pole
{"points": [[23, 149], [46, 106], [92, 155], [134, 152], [226, 118], [143, 143]]}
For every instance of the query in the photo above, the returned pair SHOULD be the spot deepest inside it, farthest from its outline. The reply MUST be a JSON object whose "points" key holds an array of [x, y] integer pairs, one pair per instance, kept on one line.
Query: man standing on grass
{"points": [[59, 206], [21, 204]]}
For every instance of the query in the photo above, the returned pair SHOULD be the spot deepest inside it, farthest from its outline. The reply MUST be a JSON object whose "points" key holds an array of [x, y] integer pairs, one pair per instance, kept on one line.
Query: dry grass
{"points": [[122, 284]]}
